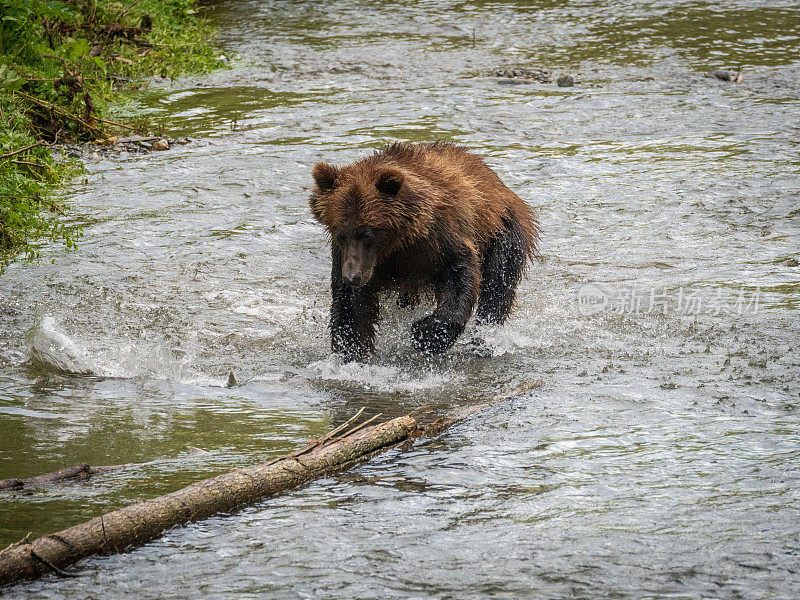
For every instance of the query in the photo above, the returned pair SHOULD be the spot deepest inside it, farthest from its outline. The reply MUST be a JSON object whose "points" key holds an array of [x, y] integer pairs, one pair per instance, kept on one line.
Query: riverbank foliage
{"points": [[62, 64]]}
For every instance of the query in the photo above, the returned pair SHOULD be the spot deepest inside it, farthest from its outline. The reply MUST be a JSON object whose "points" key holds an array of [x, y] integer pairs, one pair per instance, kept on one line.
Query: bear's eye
{"points": [[364, 236], [341, 238]]}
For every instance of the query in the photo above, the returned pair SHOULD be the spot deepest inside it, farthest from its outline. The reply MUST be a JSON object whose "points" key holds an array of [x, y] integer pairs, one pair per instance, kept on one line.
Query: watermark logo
{"points": [[594, 299]]}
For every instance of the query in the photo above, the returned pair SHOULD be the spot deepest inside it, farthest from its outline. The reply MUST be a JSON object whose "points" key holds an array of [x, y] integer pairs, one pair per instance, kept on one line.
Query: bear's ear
{"points": [[389, 182], [325, 175]]}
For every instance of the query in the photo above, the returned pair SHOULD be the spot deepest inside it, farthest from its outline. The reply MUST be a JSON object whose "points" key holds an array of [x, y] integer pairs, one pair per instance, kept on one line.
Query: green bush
{"points": [[62, 64]]}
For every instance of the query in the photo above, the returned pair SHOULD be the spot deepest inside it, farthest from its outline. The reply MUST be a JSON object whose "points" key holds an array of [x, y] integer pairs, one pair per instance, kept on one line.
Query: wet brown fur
{"points": [[436, 206]]}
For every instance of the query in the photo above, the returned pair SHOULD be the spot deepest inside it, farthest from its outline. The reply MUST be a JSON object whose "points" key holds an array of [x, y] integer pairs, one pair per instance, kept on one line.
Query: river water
{"points": [[658, 459]]}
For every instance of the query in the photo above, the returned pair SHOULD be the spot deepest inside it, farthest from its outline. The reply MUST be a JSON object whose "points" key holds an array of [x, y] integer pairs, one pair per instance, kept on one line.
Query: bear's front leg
{"points": [[354, 313], [457, 292]]}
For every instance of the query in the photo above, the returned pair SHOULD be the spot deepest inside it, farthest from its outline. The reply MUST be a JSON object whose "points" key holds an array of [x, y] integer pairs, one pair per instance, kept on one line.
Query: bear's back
{"points": [[467, 181], [438, 158]]}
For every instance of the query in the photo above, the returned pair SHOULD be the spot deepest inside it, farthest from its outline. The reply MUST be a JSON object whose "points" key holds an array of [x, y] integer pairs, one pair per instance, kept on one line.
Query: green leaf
{"points": [[57, 10], [9, 80], [76, 48], [99, 63]]}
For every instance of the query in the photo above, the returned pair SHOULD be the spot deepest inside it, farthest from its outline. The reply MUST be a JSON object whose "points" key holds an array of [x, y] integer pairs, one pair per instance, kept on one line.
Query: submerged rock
{"points": [[520, 75], [565, 81], [510, 81], [725, 75]]}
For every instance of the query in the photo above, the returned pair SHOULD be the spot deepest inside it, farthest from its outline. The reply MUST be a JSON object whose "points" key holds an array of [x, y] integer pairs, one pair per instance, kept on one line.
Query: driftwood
{"points": [[78, 472], [36, 145], [136, 524], [57, 110]]}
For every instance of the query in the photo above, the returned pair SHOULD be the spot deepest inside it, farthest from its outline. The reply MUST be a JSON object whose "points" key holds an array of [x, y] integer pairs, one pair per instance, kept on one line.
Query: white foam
{"points": [[498, 341], [381, 378]]}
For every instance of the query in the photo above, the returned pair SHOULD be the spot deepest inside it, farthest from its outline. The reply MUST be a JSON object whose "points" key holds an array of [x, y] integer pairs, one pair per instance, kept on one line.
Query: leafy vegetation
{"points": [[62, 64]]}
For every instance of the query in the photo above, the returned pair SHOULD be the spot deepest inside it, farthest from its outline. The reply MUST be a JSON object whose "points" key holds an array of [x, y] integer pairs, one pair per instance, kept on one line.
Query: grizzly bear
{"points": [[428, 219]]}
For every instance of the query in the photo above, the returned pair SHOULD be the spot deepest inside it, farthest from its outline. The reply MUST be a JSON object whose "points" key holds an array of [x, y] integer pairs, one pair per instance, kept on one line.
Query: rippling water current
{"points": [[659, 459]]}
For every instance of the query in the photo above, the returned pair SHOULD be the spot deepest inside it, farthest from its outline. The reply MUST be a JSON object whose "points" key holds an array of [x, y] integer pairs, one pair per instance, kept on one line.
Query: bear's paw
{"points": [[434, 335]]}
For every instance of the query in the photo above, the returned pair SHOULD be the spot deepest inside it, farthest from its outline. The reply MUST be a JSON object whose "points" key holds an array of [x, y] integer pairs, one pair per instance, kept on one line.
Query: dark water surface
{"points": [[661, 457]]}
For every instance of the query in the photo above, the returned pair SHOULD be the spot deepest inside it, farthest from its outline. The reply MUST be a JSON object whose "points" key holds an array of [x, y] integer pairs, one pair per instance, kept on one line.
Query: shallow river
{"points": [[659, 459]]}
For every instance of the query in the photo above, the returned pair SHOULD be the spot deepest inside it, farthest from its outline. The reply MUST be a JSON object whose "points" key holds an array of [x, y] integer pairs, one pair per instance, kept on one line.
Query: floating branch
{"points": [[78, 472]]}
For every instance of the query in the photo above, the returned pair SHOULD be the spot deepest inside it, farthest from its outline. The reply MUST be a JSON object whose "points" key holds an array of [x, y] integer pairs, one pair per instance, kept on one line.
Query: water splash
{"points": [[52, 349]]}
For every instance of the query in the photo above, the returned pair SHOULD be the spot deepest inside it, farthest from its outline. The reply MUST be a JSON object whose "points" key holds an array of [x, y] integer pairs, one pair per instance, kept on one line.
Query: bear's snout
{"points": [[358, 260], [354, 273], [352, 280]]}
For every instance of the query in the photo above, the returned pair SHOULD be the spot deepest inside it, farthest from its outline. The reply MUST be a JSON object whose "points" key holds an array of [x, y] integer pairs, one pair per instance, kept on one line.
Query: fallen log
{"points": [[134, 525], [78, 472], [138, 523]]}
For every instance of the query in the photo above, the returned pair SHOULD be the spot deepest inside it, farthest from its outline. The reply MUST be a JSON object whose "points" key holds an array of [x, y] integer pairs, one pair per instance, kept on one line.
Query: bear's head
{"points": [[369, 212]]}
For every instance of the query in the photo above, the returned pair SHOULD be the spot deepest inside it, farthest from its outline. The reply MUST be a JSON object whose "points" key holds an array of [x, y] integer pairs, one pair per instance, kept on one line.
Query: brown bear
{"points": [[427, 219]]}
